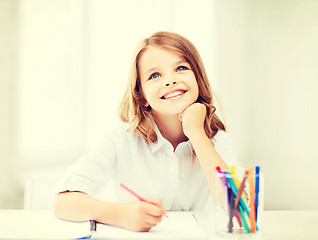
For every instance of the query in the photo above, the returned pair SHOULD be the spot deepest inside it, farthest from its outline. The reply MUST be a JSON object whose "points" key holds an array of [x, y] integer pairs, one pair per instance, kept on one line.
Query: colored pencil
{"points": [[252, 202], [136, 195], [256, 190]]}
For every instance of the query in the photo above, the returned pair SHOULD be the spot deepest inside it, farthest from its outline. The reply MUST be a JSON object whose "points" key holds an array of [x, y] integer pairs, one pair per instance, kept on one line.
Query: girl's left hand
{"points": [[193, 120]]}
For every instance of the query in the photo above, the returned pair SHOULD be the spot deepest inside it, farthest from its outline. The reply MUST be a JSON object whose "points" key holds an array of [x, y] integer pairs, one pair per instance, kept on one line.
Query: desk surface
{"points": [[277, 225]]}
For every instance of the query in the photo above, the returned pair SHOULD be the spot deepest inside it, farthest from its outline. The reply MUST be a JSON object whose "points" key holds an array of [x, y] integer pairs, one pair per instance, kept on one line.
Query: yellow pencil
{"points": [[237, 182]]}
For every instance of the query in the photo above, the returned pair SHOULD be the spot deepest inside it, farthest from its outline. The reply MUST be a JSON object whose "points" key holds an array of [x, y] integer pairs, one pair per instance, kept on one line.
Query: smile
{"points": [[174, 94]]}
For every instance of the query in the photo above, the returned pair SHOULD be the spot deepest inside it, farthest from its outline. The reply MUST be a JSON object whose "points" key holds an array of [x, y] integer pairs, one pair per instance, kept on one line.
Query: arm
{"points": [[88, 175], [193, 127], [134, 215], [79, 207]]}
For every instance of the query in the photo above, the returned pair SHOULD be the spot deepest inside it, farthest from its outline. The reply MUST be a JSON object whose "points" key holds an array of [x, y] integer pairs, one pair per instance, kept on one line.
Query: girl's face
{"points": [[168, 83]]}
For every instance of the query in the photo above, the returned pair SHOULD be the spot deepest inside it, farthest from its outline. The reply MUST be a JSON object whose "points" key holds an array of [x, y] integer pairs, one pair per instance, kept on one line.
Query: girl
{"points": [[166, 149]]}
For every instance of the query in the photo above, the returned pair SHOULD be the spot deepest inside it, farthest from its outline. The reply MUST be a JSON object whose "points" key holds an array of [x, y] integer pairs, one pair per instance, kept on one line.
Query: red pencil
{"points": [[136, 195]]}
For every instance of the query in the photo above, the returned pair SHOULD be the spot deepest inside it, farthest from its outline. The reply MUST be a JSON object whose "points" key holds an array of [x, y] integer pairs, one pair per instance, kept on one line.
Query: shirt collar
{"points": [[161, 141]]}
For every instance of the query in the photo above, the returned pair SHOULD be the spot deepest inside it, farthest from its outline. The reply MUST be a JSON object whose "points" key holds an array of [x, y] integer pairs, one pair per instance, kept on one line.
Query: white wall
{"points": [[50, 83], [8, 78], [284, 79], [66, 65], [268, 77], [112, 34], [71, 70]]}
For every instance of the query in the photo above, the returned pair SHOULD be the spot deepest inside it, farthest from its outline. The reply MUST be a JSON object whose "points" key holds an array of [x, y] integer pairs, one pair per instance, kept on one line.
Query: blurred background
{"points": [[64, 67]]}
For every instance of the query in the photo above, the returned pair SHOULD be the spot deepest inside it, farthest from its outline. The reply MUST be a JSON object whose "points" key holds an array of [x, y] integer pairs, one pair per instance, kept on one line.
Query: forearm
{"points": [[209, 159], [79, 207]]}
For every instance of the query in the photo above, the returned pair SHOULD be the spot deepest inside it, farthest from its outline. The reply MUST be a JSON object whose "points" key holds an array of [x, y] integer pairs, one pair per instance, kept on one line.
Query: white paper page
{"points": [[19, 224], [178, 225]]}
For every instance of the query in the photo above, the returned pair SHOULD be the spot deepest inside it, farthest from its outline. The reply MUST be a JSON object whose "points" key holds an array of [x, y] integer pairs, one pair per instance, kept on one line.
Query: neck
{"points": [[171, 128]]}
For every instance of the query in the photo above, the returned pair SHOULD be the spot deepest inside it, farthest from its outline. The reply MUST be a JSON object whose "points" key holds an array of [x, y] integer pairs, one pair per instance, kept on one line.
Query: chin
{"points": [[172, 108], [176, 111]]}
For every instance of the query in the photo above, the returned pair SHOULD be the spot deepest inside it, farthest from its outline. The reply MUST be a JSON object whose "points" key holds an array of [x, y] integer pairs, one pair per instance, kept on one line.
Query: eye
{"points": [[181, 68], [154, 75]]}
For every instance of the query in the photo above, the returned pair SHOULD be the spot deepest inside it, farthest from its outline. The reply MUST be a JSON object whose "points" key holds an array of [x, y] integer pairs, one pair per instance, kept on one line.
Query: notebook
{"points": [[178, 225], [44, 225]]}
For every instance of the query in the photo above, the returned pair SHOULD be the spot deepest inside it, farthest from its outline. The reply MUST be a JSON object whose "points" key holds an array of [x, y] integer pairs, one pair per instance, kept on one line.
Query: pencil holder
{"points": [[239, 203]]}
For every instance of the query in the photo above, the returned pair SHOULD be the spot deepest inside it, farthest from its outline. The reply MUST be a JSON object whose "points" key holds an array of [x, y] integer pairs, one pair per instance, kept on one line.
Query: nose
{"points": [[168, 83]]}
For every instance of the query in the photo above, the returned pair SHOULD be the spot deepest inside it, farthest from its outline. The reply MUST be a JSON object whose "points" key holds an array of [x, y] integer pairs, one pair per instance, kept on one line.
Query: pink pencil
{"points": [[136, 195]]}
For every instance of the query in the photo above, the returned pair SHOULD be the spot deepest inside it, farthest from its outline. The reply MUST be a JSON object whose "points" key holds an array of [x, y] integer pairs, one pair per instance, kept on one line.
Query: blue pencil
{"points": [[256, 190]]}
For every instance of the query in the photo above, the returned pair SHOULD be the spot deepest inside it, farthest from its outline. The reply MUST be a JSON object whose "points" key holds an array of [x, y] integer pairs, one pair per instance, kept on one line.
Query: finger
{"points": [[155, 201], [180, 116], [152, 220], [145, 228], [147, 223], [154, 210]]}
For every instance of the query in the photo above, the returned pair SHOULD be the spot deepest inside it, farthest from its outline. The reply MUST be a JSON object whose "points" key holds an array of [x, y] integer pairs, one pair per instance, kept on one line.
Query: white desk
{"points": [[277, 225]]}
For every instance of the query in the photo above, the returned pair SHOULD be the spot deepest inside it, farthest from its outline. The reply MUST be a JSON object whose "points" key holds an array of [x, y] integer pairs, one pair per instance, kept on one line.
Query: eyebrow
{"points": [[154, 69]]}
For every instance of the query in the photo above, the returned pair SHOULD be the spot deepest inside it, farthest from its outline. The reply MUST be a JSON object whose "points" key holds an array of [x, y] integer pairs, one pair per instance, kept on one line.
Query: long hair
{"points": [[132, 108]]}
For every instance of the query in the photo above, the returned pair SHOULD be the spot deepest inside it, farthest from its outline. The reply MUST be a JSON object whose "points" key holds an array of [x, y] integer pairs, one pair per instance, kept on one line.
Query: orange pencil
{"points": [[252, 202]]}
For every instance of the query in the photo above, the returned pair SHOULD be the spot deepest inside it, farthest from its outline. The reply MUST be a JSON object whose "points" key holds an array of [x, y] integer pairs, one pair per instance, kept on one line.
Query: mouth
{"points": [[174, 94]]}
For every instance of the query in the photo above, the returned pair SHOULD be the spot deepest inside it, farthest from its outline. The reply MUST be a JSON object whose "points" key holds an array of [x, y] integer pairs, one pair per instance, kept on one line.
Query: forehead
{"points": [[158, 57]]}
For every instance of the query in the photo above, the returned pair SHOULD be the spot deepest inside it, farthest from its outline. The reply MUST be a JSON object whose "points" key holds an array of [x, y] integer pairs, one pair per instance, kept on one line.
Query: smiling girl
{"points": [[166, 148]]}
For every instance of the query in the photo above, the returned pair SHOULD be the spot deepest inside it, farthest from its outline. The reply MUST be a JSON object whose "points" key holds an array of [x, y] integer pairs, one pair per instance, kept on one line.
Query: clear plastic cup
{"points": [[238, 211]]}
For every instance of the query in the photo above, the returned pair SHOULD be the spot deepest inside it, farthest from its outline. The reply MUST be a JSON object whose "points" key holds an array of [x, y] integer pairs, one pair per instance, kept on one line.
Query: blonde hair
{"points": [[133, 108]]}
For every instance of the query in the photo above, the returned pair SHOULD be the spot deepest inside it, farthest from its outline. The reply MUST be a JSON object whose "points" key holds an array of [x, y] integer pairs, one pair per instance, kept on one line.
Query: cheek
{"points": [[148, 93], [197, 91], [195, 88], [152, 88]]}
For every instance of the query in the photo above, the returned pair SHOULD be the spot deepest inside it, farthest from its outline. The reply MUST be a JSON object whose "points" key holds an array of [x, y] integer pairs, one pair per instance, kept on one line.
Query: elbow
{"points": [[60, 206], [68, 206], [57, 207]]}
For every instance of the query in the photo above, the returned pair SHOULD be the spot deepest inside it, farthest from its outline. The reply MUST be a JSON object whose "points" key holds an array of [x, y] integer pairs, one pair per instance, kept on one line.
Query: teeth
{"points": [[173, 94]]}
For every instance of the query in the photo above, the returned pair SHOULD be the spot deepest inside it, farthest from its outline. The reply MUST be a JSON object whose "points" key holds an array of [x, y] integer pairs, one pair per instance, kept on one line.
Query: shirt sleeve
{"points": [[225, 146], [90, 173]]}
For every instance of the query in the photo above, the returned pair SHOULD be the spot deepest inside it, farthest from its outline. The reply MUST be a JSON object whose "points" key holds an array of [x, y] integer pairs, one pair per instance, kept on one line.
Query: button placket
{"points": [[173, 179]]}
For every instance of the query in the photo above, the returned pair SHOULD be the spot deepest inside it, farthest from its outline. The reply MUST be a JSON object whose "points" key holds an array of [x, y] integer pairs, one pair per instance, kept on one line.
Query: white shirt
{"points": [[151, 170]]}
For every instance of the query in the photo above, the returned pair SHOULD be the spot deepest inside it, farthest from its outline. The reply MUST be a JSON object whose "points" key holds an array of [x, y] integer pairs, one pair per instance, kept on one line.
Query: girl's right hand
{"points": [[140, 216], [135, 215]]}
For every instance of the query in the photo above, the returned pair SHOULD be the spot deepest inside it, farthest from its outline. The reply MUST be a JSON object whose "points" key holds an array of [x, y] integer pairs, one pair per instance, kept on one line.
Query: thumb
{"points": [[155, 201]]}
